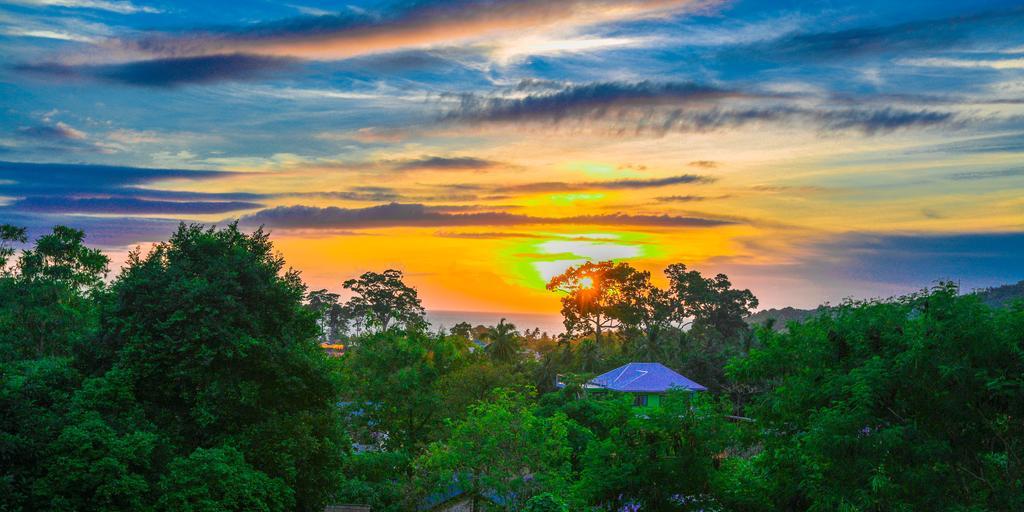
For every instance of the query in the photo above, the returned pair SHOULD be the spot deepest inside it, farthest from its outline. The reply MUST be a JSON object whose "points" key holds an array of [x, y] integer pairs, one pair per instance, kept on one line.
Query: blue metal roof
{"points": [[645, 378]]}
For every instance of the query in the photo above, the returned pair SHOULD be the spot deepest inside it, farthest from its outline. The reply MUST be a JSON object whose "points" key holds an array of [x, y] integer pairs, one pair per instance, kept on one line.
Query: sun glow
{"points": [[587, 283]]}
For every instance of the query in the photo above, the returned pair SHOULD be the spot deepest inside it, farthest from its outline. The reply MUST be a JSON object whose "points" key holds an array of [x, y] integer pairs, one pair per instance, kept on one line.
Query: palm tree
{"points": [[504, 341]]}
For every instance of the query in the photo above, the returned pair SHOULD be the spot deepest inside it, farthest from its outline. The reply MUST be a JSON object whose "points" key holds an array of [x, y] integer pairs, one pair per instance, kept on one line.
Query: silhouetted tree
{"points": [[504, 341], [383, 301]]}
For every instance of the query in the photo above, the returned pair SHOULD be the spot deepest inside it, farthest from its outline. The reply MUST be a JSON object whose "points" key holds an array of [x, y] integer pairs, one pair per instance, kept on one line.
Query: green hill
{"points": [[1002, 295], [998, 296]]}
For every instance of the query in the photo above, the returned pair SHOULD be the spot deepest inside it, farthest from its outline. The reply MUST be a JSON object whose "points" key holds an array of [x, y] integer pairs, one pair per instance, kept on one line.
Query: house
{"points": [[647, 382]]}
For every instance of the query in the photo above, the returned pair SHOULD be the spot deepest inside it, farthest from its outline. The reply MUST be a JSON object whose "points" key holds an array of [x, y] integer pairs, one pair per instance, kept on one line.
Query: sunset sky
{"points": [[811, 151]]}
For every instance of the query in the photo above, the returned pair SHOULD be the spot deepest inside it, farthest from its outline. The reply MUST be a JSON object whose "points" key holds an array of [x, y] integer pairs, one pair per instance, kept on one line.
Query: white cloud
{"points": [[120, 7], [941, 62]]}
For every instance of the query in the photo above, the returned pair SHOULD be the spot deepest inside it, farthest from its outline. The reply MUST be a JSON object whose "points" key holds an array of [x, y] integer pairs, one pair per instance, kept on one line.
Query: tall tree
{"points": [[504, 341], [595, 296], [645, 313], [713, 305], [9, 236], [330, 314], [45, 299], [219, 349], [383, 301]]}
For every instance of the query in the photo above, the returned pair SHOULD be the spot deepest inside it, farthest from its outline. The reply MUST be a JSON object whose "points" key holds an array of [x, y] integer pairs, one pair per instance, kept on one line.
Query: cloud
{"points": [[939, 62], [593, 100], [486, 235], [621, 108], [625, 184], [407, 36], [127, 205], [913, 36], [31, 178], [51, 132], [1009, 143], [77, 188], [418, 215], [871, 122], [705, 164], [986, 175], [685, 199], [441, 163], [121, 7], [169, 72], [106, 232], [424, 24]]}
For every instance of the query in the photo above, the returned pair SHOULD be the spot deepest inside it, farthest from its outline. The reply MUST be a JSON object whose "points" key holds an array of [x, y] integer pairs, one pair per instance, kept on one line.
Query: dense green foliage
{"points": [[913, 404], [193, 382], [198, 361]]}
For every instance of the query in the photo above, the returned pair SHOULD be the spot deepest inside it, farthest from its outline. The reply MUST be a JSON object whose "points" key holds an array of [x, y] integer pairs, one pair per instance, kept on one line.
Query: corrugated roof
{"points": [[645, 377]]}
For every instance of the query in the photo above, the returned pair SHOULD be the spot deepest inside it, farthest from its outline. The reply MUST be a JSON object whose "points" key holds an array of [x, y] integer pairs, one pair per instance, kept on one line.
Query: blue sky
{"points": [[813, 150]]}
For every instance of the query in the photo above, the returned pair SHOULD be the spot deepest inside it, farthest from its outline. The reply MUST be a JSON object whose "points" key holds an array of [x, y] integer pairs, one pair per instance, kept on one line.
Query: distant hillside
{"points": [[1002, 295], [998, 296], [782, 316]]}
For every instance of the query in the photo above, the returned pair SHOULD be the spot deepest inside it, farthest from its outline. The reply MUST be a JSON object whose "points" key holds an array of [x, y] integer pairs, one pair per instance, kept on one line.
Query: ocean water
{"points": [[550, 323]]}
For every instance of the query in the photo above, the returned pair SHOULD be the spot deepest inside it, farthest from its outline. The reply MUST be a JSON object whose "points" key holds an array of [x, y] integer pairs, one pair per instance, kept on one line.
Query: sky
{"points": [[812, 151]]}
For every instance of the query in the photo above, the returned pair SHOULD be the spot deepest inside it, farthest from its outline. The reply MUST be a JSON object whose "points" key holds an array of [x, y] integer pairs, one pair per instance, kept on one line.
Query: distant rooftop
{"points": [[644, 378]]}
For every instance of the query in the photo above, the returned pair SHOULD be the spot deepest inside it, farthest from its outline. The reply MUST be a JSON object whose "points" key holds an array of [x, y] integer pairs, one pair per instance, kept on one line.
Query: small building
{"points": [[647, 382]]}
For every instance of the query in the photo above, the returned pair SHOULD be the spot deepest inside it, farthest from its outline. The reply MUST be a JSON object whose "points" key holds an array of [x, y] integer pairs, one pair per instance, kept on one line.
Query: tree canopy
{"points": [[382, 301]]}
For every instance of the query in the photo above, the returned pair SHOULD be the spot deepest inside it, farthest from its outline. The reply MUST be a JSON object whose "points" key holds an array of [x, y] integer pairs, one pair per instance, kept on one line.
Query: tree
{"points": [[9, 235], [463, 329], [35, 397], [219, 479], [504, 342], [62, 257], [661, 460], [595, 296], [383, 301], [546, 502], [330, 314], [904, 404], [218, 348], [392, 378], [715, 307], [503, 449], [647, 312], [45, 300]]}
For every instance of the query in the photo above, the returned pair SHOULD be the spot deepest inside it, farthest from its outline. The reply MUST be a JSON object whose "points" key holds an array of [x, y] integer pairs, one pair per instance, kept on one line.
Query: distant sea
{"points": [[550, 323]]}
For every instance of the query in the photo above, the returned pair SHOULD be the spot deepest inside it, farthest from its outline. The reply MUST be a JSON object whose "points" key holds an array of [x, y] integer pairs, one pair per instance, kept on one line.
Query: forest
{"points": [[194, 380]]}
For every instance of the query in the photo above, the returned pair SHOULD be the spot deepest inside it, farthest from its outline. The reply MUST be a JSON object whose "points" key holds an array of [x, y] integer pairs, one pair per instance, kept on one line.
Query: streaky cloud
{"points": [[901, 38], [987, 175], [649, 108], [624, 184], [169, 72], [431, 23], [419, 215], [127, 205], [52, 178], [588, 100], [445, 163], [58, 131]]}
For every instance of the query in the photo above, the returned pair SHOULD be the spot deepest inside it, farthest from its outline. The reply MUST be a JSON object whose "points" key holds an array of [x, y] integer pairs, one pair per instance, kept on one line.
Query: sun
{"points": [[587, 283]]}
